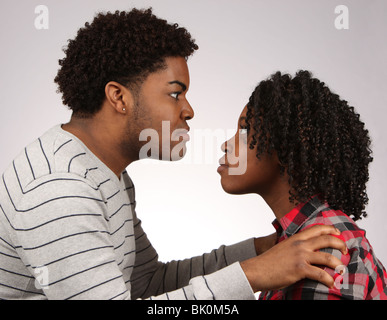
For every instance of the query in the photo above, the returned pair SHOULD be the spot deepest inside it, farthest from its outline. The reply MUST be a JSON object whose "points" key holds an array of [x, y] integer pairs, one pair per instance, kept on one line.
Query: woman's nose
{"points": [[226, 147], [223, 146]]}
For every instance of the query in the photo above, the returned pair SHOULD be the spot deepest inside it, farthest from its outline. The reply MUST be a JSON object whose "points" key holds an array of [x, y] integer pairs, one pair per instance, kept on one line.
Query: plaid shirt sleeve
{"points": [[364, 276]]}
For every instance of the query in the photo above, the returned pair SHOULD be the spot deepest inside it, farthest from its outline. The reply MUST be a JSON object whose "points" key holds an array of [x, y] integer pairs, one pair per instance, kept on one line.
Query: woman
{"points": [[307, 154]]}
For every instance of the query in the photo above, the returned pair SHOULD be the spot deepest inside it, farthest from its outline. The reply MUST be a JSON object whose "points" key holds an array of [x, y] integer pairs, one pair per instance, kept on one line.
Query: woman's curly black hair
{"points": [[124, 47], [320, 140]]}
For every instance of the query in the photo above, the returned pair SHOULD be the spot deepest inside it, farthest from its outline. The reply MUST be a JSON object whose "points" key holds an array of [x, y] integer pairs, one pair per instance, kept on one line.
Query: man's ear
{"points": [[119, 97]]}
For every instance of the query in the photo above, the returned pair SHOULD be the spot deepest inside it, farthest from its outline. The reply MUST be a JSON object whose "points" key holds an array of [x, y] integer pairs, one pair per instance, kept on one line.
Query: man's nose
{"points": [[187, 112]]}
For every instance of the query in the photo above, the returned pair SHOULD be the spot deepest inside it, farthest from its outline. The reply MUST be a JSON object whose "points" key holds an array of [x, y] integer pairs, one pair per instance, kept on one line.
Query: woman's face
{"points": [[241, 171]]}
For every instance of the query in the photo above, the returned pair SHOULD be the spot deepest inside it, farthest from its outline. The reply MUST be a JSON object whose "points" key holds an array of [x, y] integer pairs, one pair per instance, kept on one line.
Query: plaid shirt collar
{"points": [[293, 221]]}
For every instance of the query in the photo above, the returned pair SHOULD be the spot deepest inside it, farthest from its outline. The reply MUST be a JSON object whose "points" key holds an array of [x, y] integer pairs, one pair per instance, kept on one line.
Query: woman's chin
{"points": [[231, 188]]}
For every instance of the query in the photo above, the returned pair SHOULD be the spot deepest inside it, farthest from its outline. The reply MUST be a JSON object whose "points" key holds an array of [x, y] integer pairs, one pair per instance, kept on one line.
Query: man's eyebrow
{"points": [[181, 84]]}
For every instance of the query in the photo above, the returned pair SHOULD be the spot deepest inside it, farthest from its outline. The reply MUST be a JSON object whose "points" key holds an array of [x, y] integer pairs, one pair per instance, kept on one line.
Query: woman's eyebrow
{"points": [[242, 119], [181, 84]]}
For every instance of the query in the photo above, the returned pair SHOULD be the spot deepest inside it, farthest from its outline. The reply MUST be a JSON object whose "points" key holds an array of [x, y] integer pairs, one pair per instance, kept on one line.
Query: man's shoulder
{"points": [[51, 166], [54, 153]]}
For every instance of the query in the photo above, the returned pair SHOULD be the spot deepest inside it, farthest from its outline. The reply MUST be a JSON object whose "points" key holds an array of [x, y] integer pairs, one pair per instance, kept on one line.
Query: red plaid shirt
{"points": [[364, 276]]}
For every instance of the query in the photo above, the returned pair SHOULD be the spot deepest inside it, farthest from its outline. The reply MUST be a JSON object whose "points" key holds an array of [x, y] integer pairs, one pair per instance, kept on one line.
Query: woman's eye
{"points": [[243, 135], [243, 131]]}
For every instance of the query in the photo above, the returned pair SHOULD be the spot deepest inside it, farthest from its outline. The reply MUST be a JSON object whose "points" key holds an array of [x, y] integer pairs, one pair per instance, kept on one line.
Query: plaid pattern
{"points": [[364, 276]]}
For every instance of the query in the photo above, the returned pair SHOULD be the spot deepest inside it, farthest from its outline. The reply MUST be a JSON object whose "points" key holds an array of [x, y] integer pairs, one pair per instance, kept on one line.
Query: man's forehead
{"points": [[173, 67], [177, 70], [181, 84]]}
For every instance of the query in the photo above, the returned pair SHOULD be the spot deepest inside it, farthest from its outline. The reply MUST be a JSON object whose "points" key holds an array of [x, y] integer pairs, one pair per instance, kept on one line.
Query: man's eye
{"points": [[175, 95]]}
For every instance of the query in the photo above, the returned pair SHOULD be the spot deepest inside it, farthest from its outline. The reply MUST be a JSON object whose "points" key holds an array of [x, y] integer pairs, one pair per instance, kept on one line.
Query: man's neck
{"points": [[99, 139]]}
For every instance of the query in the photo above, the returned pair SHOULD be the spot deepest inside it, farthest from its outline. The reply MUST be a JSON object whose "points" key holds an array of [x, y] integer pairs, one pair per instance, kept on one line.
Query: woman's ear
{"points": [[119, 97]]}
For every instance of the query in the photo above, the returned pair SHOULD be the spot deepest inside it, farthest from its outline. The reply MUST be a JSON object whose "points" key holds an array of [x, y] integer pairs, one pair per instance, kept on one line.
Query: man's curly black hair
{"points": [[320, 140], [124, 47]]}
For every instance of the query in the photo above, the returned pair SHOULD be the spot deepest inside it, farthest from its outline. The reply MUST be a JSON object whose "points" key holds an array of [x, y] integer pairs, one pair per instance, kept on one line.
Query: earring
{"points": [[123, 109]]}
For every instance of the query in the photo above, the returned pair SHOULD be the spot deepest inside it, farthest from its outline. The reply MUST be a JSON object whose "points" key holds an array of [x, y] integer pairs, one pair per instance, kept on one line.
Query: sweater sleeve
{"points": [[229, 283], [63, 239], [215, 275]]}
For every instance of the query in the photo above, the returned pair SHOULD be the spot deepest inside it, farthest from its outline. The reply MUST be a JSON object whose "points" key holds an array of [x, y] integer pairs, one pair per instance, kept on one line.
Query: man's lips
{"points": [[185, 136], [181, 133]]}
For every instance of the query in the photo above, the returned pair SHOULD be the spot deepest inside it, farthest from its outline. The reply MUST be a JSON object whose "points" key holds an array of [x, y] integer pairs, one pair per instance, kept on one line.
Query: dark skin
{"points": [[262, 176], [112, 134]]}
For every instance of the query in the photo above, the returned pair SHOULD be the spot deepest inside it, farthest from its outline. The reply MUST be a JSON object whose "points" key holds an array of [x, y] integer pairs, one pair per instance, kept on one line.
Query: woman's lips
{"points": [[222, 167]]}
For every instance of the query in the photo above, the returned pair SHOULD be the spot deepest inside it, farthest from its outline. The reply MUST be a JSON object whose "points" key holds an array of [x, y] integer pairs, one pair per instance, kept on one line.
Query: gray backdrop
{"points": [[183, 207]]}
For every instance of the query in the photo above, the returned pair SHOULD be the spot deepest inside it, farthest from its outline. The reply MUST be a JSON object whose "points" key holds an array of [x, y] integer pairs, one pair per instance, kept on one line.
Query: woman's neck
{"points": [[277, 198]]}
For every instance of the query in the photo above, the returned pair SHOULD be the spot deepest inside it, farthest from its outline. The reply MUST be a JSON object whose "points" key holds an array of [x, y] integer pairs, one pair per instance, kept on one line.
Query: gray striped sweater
{"points": [[69, 230]]}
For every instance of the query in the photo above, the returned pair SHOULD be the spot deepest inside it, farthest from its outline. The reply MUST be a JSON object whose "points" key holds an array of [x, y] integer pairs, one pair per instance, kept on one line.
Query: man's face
{"points": [[163, 111]]}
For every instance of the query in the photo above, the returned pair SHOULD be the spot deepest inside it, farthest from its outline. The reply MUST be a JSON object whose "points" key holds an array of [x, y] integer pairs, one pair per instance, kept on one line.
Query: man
{"points": [[68, 226]]}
